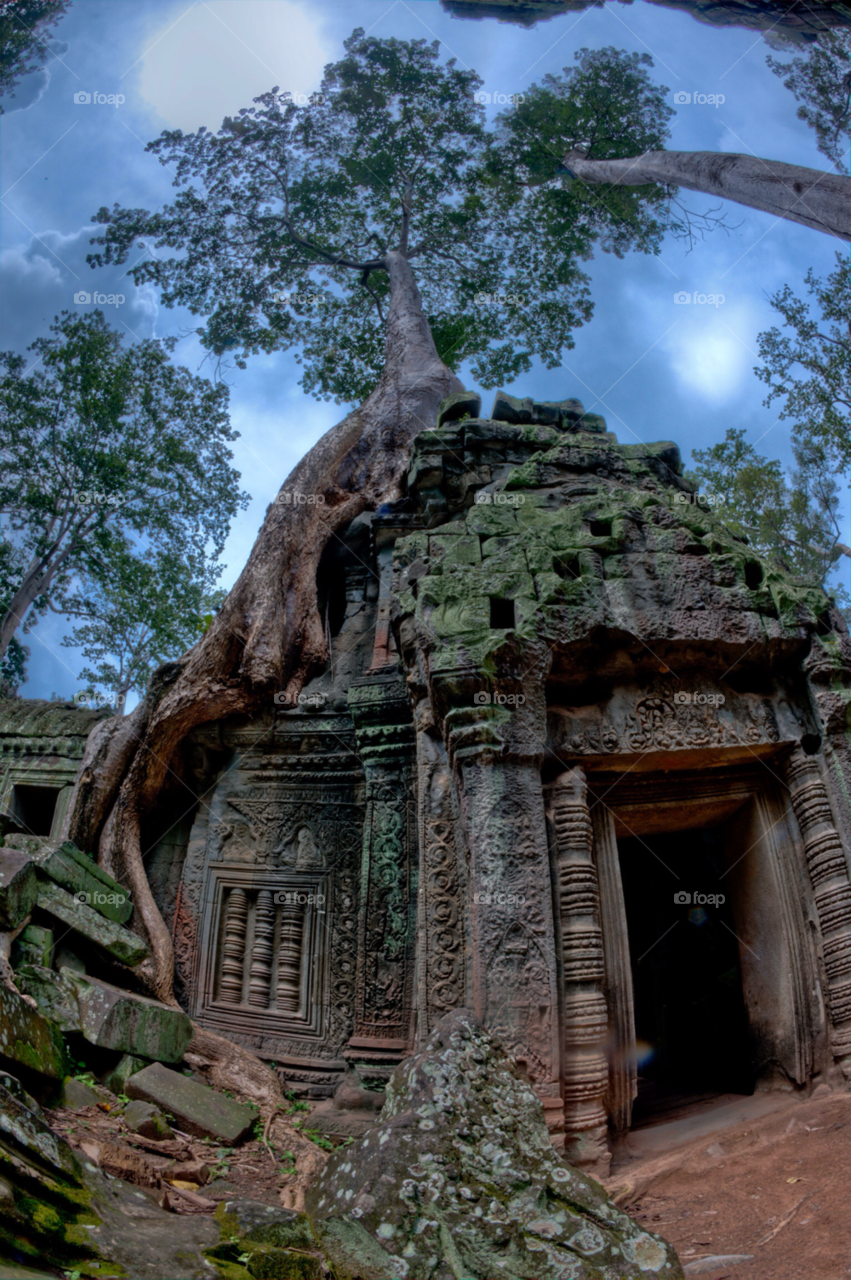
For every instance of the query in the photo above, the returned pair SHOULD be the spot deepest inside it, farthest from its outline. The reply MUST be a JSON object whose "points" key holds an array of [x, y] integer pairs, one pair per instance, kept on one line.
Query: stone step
{"points": [[197, 1109], [114, 938]]}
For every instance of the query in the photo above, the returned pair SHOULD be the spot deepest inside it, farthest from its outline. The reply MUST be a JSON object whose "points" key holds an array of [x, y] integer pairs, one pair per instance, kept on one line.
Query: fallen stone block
{"points": [[147, 1120], [18, 887], [123, 1162], [33, 945], [197, 1109], [459, 1178], [265, 1224], [127, 1065], [76, 1095], [74, 870], [113, 938], [115, 1019], [28, 1039], [54, 993]]}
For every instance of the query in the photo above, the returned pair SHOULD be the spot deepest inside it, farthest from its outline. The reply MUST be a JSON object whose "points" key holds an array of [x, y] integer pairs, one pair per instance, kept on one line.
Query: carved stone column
{"points": [[384, 989], [496, 748], [828, 872], [585, 1068]]}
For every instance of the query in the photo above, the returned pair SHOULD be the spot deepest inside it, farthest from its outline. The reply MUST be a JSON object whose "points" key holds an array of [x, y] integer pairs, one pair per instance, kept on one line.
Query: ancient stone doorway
{"points": [[690, 1017]]}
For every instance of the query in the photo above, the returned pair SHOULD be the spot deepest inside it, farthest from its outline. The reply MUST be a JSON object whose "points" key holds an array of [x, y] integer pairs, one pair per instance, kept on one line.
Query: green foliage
{"points": [[106, 452], [284, 218], [819, 75], [793, 519], [809, 370], [25, 27], [146, 610]]}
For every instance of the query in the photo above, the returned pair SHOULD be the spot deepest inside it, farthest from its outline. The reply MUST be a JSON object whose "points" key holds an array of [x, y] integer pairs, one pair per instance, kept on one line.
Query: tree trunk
{"points": [[268, 635], [815, 199]]}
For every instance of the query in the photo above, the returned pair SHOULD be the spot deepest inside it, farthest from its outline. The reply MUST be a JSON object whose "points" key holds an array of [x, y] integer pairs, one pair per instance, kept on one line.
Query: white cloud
{"points": [[206, 63], [712, 349], [40, 279]]}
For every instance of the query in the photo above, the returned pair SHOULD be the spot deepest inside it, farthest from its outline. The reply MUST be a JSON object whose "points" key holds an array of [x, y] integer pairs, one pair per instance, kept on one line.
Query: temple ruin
{"points": [[580, 762]]}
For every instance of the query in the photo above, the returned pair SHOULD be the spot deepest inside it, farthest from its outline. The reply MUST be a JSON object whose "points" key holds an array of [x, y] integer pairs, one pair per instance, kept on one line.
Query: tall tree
{"points": [[795, 519], [363, 229], [25, 27], [808, 369], [147, 609], [102, 446], [819, 75]]}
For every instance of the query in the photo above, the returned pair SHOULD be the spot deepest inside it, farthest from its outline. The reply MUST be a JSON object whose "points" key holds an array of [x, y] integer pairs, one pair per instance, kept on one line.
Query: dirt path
{"points": [[776, 1187]]}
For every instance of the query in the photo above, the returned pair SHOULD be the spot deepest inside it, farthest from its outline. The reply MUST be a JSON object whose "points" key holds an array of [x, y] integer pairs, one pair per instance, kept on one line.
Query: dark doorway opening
{"points": [[690, 1017], [33, 808]]}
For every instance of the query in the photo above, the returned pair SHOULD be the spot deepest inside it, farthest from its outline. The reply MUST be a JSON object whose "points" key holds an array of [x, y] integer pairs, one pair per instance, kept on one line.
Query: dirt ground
{"points": [[776, 1188]]}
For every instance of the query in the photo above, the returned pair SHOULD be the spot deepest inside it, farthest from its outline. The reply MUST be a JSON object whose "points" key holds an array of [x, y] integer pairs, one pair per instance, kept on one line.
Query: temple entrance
{"points": [[691, 1025]]}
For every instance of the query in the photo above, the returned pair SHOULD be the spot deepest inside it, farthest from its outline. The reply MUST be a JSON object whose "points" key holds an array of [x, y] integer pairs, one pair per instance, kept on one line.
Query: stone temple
{"points": [[580, 762]]}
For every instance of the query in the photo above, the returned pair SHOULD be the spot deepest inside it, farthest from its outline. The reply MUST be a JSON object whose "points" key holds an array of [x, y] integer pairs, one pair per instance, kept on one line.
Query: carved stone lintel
{"points": [[828, 873], [585, 1068]]}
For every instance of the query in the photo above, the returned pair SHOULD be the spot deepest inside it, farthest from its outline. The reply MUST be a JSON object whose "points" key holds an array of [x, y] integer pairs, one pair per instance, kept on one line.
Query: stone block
{"points": [[116, 1019], [33, 945], [114, 938], [147, 1120], [18, 887], [196, 1108], [69, 867], [76, 1095], [28, 1039], [54, 994], [127, 1065], [456, 406]]}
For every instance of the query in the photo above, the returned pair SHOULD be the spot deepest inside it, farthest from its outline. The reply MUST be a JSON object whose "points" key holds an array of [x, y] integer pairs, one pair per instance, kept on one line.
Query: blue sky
{"points": [[654, 368]]}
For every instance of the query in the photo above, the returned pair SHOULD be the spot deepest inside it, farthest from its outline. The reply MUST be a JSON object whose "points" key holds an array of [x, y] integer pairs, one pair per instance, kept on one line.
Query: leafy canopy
{"points": [[819, 75], [284, 217], [24, 38], [146, 610], [809, 368], [105, 450], [796, 520]]}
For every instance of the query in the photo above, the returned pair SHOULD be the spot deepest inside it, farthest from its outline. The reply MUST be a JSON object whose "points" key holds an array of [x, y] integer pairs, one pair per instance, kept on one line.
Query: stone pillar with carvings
{"points": [[495, 731], [384, 1014], [585, 1068], [828, 872]]}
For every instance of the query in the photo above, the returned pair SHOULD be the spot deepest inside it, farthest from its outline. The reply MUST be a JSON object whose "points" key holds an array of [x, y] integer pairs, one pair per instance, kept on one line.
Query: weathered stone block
{"points": [[68, 866], [53, 992], [18, 887], [114, 938], [127, 1065], [461, 1130], [196, 1108], [29, 1039], [147, 1120], [115, 1019], [33, 945], [77, 1095], [457, 405]]}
